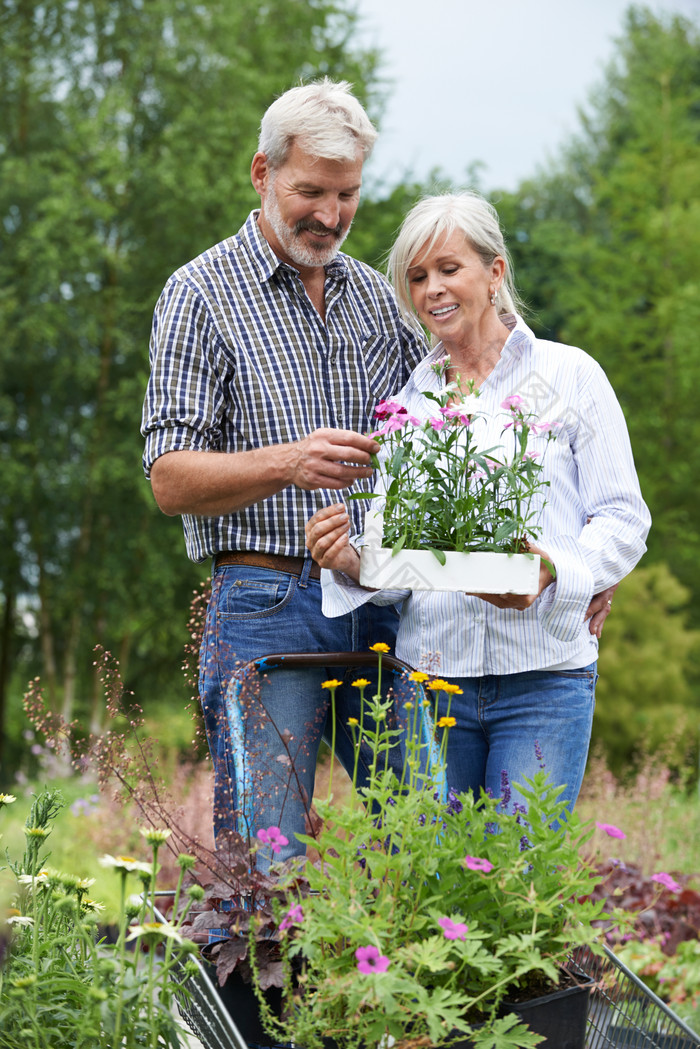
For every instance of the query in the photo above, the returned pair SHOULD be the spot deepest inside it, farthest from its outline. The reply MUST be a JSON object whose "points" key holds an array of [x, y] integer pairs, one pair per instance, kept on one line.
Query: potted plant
{"points": [[425, 912], [456, 515]]}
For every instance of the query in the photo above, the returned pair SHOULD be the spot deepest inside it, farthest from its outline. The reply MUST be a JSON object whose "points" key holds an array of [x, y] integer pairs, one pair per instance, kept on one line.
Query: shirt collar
{"points": [[519, 335], [268, 263]]}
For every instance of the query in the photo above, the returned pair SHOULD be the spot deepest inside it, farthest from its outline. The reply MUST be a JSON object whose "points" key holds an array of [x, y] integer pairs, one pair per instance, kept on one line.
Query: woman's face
{"points": [[450, 288]]}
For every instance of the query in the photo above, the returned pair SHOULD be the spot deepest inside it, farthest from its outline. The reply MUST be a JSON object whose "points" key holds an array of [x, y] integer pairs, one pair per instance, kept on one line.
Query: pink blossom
{"points": [[453, 930], [667, 881], [293, 916], [531, 455], [544, 427], [610, 830], [369, 960], [391, 425], [473, 863], [273, 837], [437, 423], [385, 408], [514, 403]]}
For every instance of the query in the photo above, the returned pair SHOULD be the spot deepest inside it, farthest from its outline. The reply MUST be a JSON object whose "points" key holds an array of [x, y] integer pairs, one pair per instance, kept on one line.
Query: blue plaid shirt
{"points": [[240, 359]]}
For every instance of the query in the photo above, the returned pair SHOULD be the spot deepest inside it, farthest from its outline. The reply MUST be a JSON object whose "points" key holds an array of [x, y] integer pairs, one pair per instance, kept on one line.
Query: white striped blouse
{"points": [[594, 522]]}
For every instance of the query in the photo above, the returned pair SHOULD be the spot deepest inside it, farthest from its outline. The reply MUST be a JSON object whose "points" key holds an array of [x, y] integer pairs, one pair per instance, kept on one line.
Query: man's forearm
{"points": [[211, 484]]}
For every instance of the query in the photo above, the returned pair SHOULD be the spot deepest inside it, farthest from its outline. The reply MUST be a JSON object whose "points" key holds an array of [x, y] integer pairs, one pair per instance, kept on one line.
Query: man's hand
{"points": [[331, 459], [599, 610], [327, 539]]}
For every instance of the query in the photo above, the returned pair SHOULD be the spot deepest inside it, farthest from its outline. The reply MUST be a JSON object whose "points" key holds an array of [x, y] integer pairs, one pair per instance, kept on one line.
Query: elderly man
{"points": [[268, 353]]}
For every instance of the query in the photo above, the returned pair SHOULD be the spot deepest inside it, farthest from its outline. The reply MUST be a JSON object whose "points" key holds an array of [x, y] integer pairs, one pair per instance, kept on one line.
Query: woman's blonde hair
{"points": [[432, 221]]}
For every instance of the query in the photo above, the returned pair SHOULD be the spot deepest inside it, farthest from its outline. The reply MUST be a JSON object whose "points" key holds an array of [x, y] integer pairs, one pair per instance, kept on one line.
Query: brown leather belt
{"points": [[274, 562]]}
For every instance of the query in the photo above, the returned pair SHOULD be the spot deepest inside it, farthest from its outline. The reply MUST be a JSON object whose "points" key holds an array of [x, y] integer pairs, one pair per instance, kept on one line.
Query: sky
{"points": [[496, 82]]}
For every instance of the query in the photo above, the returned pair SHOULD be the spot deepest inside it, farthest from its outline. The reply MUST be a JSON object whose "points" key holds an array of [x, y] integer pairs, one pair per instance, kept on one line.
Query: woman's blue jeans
{"points": [[264, 730], [510, 726]]}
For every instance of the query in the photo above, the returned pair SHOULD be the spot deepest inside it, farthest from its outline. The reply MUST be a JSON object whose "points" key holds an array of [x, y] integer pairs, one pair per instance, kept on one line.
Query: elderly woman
{"points": [[526, 664]]}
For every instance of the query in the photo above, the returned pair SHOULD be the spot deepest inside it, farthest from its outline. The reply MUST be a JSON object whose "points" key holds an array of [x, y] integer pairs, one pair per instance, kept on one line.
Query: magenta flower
{"points": [[667, 881], [453, 930], [386, 408], [473, 863], [273, 837], [437, 423], [293, 916], [610, 830], [369, 960]]}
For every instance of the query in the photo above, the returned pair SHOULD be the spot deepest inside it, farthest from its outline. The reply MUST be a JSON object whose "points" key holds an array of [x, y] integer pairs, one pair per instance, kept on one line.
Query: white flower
{"points": [[31, 879], [155, 932], [20, 919], [125, 863]]}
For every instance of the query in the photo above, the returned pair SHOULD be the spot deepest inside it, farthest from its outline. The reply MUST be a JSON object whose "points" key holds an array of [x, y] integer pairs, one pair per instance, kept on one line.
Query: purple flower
{"points": [[454, 805], [369, 960], [610, 830], [473, 863], [273, 837], [293, 916], [453, 930], [667, 881], [505, 789]]}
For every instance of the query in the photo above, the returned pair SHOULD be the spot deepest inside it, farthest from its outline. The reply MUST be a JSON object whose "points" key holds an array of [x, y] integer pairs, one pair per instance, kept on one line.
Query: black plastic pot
{"points": [[239, 1001], [560, 1017]]}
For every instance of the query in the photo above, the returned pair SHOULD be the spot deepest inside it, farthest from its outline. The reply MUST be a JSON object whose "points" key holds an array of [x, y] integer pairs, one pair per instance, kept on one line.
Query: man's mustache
{"points": [[317, 227]]}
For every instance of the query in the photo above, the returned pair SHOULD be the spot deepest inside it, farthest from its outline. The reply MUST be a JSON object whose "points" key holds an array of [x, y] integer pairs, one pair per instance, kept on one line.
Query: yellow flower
{"points": [[418, 675], [362, 682], [409, 705], [437, 684], [379, 646], [454, 689], [331, 683], [447, 722], [353, 721]]}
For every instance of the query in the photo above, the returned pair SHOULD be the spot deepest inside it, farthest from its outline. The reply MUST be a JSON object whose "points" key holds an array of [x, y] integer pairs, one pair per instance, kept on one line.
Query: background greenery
{"points": [[126, 132]]}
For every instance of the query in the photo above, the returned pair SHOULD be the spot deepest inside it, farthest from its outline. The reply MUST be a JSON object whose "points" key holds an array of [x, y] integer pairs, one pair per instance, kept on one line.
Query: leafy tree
{"points": [[644, 698], [126, 133]]}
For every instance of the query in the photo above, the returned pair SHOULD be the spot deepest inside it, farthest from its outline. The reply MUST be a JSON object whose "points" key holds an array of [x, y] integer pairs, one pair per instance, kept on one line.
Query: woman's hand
{"points": [[599, 610], [327, 539], [522, 601]]}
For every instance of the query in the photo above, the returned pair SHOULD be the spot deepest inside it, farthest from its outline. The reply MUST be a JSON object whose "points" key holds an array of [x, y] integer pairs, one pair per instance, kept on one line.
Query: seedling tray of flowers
{"points": [[477, 572]]}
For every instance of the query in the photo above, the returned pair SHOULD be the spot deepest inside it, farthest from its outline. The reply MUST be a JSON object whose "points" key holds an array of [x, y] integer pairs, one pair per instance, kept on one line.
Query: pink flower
{"points": [[544, 427], [369, 960], [293, 916], [514, 403], [453, 930], [273, 837], [437, 423], [473, 863], [667, 881], [386, 408], [610, 830]]}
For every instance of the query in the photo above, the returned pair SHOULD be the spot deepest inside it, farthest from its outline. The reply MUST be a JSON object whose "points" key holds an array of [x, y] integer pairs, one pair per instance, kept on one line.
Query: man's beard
{"points": [[299, 251]]}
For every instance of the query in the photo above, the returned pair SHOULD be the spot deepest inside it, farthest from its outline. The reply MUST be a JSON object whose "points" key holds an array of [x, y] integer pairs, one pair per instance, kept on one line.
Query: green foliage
{"points": [[457, 901], [59, 983], [645, 694], [126, 133]]}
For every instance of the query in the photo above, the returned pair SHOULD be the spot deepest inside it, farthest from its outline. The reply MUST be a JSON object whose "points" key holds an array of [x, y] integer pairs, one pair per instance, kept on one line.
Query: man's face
{"points": [[307, 205]]}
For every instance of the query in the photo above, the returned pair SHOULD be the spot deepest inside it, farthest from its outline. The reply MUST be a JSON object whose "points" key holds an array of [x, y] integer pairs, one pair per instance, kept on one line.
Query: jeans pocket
{"points": [[254, 593]]}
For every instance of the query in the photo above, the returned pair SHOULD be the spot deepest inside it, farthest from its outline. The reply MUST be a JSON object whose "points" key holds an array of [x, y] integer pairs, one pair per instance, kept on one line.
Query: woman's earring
{"points": [[493, 298]]}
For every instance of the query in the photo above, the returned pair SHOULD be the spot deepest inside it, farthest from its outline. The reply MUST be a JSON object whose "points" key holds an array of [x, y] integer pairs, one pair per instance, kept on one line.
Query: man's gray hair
{"points": [[324, 116], [432, 221]]}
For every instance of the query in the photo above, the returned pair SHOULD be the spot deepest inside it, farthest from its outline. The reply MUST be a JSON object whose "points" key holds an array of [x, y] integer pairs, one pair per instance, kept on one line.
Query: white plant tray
{"points": [[477, 573]]}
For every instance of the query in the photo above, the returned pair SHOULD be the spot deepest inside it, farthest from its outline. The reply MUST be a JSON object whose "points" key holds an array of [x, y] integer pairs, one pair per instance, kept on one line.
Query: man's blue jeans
{"points": [[511, 725], [264, 734]]}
